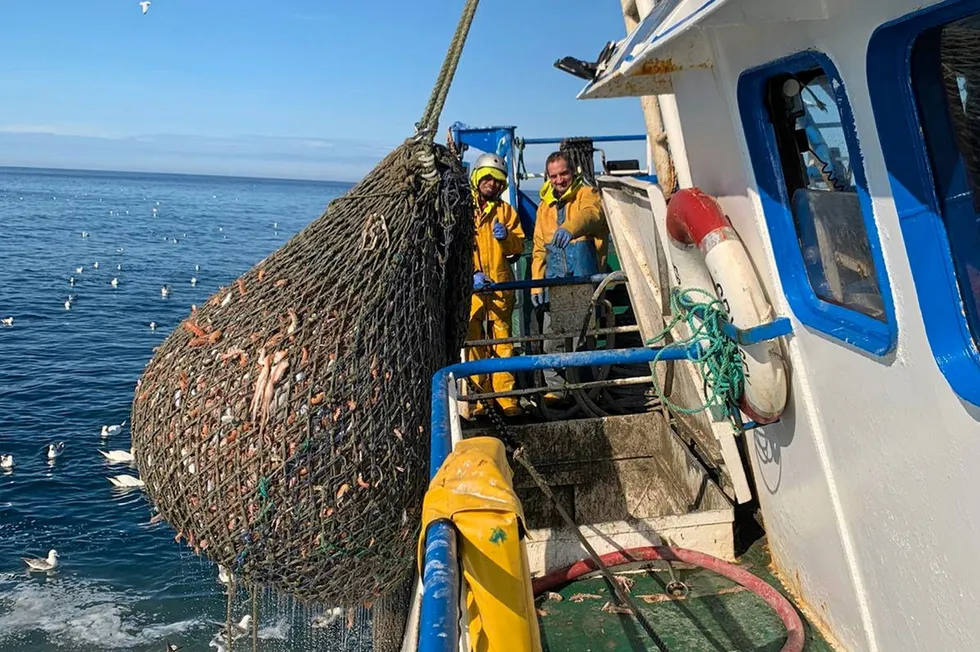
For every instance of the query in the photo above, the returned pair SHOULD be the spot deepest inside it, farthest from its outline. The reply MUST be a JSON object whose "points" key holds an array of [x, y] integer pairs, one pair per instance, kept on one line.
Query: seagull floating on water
{"points": [[71, 281], [114, 282], [153, 325], [6, 462], [118, 457], [84, 234], [7, 322], [165, 291], [78, 270], [54, 450], [145, 4], [96, 265], [68, 303], [44, 564], [193, 281], [109, 431], [125, 481]]}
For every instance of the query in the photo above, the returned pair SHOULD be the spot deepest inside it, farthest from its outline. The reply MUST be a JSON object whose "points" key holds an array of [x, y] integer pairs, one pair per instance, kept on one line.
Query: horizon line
{"points": [[178, 174]]}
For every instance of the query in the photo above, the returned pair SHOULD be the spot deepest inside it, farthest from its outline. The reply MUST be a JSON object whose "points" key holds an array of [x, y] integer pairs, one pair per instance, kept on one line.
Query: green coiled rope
{"points": [[719, 361]]}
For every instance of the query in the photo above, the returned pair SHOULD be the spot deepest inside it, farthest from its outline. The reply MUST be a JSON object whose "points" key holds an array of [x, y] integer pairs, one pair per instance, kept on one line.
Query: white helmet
{"points": [[490, 161]]}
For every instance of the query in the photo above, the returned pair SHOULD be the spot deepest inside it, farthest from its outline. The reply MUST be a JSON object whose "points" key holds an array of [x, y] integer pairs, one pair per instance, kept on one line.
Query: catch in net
{"points": [[282, 428]]}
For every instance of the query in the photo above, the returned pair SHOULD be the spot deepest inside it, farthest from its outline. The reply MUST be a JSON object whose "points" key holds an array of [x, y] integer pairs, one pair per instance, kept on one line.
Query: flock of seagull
{"points": [[52, 452], [8, 322]]}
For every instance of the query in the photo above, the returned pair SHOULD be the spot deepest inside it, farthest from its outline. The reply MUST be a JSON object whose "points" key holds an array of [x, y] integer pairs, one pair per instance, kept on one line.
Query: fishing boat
{"points": [[811, 167]]}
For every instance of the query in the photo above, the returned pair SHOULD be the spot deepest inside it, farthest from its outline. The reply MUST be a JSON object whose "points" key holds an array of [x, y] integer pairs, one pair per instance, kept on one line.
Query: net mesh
{"points": [[282, 428]]}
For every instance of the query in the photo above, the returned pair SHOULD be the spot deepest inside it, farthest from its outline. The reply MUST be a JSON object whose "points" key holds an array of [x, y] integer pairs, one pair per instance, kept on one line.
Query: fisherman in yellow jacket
{"points": [[570, 234], [570, 239], [499, 241]]}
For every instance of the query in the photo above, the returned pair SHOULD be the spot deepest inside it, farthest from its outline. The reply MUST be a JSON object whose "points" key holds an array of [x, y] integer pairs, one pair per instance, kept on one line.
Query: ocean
{"points": [[122, 584]]}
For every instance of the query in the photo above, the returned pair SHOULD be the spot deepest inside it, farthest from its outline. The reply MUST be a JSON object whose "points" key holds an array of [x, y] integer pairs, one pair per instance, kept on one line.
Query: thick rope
{"points": [[429, 123], [719, 363]]}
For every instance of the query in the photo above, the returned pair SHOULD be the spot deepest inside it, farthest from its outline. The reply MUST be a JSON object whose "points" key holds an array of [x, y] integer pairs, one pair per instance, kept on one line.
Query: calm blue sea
{"points": [[122, 584]]}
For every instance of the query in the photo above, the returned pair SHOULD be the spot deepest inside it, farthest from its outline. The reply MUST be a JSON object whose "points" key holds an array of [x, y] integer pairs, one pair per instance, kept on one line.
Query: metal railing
{"points": [[439, 621]]}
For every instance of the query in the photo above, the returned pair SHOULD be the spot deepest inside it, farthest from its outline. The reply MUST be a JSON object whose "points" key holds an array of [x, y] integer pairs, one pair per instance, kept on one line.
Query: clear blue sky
{"points": [[294, 87]]}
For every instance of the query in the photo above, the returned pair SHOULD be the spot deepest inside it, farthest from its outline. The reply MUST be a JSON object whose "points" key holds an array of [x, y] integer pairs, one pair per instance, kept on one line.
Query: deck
{"points": [[716, 615]]}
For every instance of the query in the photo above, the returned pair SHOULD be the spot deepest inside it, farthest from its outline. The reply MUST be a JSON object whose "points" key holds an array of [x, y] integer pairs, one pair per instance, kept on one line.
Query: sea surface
{"points": [[122, 584]]}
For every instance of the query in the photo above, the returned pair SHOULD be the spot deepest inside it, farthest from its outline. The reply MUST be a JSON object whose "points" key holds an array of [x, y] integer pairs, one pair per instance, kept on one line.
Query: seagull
{"points": [[84, 234], [118, 457], [6, 462], [225, 576], [193, 281], [48, 564], [119, 268], [197, 268], [108, 431], [114, 282], [146, 6], [165, 291], [172, 648], [327, 618], [7, 321], [239, 629], [71, 281], [68, 303], [54, 450], [96, 265], [78, 270], [125, 481], [153, 325]]}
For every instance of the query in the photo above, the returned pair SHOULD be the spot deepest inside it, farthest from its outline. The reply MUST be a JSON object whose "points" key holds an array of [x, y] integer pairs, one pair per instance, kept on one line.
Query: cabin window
{"points": [[924, 83], [807, 163], [946, 82]]}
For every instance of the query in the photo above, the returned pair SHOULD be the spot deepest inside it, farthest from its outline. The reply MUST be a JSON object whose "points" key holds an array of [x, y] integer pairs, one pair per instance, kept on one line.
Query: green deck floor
{"points": [[716, 615]]}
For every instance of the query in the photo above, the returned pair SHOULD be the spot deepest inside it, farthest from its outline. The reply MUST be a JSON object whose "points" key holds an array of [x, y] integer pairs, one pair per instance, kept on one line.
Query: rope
{"points": [[719, 363], [622, 596], [429, 123]]}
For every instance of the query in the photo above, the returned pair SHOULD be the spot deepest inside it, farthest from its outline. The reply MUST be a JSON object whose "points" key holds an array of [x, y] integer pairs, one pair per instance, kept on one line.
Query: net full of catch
{"points": [[282, 428]]}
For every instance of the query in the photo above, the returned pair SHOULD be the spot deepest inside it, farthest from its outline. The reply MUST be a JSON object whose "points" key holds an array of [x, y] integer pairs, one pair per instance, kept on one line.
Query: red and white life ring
{"points": [[695, 219]]}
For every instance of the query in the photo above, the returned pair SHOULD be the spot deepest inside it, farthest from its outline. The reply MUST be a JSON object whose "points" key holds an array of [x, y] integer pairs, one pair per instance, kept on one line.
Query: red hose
{"points": [[791, 620]]}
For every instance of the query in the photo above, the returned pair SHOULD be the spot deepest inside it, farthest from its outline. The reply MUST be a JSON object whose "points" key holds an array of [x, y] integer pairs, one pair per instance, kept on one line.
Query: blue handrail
{"points": [[439, 623], [594, 139]]}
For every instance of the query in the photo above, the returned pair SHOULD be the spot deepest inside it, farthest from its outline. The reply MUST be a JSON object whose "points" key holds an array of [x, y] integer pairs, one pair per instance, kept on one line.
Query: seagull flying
{"points": [[48, 564], [145, 5]]}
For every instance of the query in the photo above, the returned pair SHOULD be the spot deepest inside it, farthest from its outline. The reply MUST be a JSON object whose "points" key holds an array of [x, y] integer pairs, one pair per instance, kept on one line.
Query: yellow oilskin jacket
{"points": [[490, 255], [583, 219]]}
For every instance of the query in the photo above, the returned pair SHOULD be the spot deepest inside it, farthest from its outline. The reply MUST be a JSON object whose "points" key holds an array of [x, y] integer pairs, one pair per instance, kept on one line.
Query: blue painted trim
{"points": [[439, 615], [917, 200], [849, 326]]}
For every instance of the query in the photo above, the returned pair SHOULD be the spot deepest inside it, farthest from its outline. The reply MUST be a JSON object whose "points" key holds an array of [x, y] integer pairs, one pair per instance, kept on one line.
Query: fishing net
{"points": [[282, 428]]}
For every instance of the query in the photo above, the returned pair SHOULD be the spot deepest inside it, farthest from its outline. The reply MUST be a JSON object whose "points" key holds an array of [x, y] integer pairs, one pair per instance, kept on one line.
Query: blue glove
{"points": [[537, 300], [499, 231], [480, 280], [562, 238]]}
